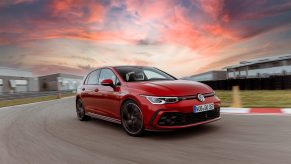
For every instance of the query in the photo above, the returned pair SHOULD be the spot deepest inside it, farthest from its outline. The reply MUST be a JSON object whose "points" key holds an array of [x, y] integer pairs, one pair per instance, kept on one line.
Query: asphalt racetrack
{"points": [[49, 132]]}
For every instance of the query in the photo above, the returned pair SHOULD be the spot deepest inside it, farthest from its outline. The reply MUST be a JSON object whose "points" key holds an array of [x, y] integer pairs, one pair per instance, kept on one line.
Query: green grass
{"points": [[31, 100], [258, 98]]}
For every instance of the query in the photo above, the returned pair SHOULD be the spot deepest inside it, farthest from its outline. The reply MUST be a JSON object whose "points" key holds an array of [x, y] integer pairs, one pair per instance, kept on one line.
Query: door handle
{"points": [[96, 90], [83, 89]]}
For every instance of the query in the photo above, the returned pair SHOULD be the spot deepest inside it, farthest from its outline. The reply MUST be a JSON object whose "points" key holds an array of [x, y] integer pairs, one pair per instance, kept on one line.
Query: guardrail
{"points": [[271, 83], [20, 95]]}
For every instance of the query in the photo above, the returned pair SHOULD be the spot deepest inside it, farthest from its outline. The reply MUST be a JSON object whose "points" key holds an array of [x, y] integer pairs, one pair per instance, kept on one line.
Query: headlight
{"points": [[162, 100]]}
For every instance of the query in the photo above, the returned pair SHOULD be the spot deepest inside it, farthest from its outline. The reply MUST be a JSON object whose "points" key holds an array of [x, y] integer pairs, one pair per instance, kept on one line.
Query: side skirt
{"points": [[105, 118]]}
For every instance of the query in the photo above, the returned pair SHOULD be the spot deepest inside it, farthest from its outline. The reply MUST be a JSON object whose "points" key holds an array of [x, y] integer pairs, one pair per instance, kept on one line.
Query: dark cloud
{"points": [[249, 9], [202, 27], [145, 42], [269, 49], [84, 58], [87, 68], [48, 19], [54, 68], [249, 18]]}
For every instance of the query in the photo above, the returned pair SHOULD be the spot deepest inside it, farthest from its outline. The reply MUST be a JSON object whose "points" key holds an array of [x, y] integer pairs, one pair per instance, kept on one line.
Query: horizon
{"points": [[182, 38]]}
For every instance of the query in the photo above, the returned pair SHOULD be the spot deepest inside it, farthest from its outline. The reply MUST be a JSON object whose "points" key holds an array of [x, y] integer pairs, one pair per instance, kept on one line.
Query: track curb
{"points": [[256, 111]]}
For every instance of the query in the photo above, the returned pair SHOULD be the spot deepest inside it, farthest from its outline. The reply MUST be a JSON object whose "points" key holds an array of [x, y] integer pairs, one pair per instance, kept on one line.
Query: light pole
{"points": [[59, 83]]}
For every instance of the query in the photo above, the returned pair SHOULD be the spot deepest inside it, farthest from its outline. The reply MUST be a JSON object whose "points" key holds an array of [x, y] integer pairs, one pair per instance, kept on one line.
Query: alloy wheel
{"points": [[132, 119], [80, 110]]}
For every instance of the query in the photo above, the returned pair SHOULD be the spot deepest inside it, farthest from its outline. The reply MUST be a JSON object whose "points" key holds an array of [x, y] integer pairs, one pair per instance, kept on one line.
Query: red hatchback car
{"points": [[145, 98]]}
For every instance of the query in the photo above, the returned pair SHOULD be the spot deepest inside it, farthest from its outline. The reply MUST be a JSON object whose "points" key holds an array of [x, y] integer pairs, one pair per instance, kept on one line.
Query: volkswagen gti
{"points": [[145, 98]]}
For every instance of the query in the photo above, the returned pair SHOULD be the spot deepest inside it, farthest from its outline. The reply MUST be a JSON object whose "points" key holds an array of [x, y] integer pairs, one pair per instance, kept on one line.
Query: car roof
{"points": [[123, 66], [119, 66], [134, 66]]}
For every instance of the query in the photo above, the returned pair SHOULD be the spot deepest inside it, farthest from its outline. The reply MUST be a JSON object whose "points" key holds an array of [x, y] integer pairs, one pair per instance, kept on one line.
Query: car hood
{"points": [[171, 88]]}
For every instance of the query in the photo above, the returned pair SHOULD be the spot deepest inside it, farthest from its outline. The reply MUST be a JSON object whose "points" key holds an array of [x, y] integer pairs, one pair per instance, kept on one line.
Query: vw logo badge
{"points": [[200, 97]]}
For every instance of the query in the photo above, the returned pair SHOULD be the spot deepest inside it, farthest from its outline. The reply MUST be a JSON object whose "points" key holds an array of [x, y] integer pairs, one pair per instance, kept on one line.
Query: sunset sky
{"points": [[182, 37]]}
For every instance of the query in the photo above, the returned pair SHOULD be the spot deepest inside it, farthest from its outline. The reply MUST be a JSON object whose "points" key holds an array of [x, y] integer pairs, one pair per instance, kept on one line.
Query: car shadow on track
{"points": [[196, 131], [170, 135], [106, 124]]}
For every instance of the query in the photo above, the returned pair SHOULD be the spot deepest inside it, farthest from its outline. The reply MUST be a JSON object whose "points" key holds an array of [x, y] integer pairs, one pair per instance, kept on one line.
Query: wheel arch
{"points": [[129, 98], [140, 132]]}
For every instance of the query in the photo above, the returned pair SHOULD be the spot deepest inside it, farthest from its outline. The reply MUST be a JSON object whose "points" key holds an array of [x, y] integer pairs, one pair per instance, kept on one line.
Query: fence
{"points": [[271, 83], [19, 95]]}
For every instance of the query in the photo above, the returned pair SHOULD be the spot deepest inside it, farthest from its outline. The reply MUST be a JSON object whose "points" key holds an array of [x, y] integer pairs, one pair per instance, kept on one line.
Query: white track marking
{"points": [[235, 110], [286, 110]]}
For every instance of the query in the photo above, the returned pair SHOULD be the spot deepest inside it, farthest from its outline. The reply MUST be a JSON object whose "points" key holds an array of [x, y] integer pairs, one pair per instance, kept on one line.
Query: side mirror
{"points": [[107, 82]]}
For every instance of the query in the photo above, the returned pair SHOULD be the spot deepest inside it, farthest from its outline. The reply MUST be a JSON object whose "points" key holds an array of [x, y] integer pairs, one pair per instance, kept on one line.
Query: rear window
{"points": [[92, 78]]}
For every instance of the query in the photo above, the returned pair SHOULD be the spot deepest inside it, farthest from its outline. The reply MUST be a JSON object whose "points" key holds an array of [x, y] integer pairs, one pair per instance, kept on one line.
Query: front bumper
{"points": [[179, 115], [175, 120]]}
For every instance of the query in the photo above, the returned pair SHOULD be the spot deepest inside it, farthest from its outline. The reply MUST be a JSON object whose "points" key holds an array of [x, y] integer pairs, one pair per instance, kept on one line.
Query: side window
{"points": [[107, 74], [92, 78]]}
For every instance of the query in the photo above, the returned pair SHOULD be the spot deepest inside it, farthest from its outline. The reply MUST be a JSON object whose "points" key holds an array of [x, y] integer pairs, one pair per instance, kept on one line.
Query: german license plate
{"points": [[203, 108]]}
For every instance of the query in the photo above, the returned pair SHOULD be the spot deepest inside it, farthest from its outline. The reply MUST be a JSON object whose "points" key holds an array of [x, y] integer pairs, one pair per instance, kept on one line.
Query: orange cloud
{"points": [[219, 31], [168, 32], [211, 7], [96, 13], [76, 9], [202, 37]]}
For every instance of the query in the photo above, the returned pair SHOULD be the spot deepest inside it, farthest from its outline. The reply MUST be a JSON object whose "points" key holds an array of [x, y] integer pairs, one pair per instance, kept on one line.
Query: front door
{"points": [[109, 99]]}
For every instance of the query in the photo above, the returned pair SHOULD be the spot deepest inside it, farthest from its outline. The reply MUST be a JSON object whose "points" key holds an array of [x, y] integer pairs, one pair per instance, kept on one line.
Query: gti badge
{"points": [[200, 97]]}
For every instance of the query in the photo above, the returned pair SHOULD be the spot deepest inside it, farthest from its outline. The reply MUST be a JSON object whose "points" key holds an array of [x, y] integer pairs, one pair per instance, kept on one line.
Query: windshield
{"points": [[134, 74]]}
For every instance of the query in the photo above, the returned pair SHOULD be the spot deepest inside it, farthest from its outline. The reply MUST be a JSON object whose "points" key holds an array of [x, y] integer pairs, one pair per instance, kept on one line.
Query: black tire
{"points": [[132, 119], [80, 110]]}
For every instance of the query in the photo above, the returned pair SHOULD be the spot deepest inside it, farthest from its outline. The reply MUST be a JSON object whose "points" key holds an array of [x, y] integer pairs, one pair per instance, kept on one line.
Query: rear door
{"points": [[88, 91]]}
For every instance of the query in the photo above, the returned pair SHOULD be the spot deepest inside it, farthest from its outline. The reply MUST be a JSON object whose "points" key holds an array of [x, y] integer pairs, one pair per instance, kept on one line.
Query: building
{"points": [[17, 80], [59, 82], [261, 68], [208, 76]]}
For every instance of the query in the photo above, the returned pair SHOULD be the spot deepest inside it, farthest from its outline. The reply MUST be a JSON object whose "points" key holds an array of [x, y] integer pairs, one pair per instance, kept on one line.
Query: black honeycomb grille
{"points": [[179, 119]]}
